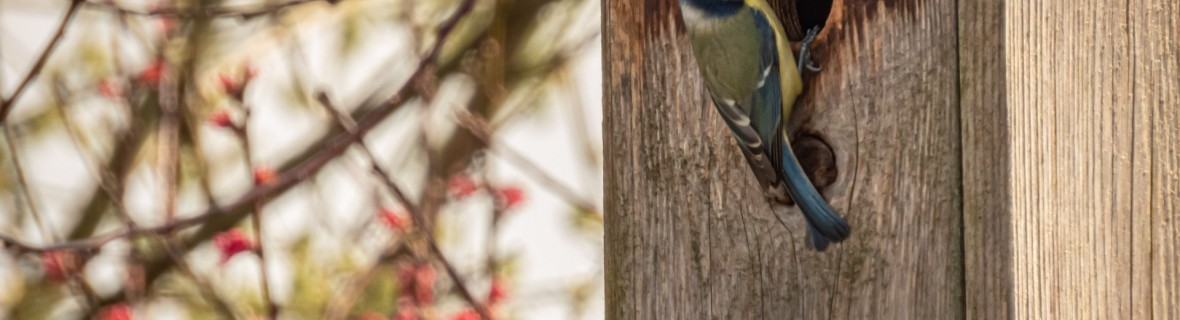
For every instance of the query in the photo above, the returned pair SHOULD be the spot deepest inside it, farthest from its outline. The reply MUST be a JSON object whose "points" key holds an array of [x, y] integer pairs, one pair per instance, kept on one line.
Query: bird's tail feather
{"points": [[817, 241], [823, 220]]}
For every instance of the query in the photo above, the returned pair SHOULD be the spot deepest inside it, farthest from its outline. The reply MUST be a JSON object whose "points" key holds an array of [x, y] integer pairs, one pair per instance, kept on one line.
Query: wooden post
{"points": [[996, 159], [688, 234], [1071, 115]]}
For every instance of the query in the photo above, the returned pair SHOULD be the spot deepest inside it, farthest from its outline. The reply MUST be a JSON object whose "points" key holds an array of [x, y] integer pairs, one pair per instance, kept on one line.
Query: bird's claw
{"points": [[805, 51]]}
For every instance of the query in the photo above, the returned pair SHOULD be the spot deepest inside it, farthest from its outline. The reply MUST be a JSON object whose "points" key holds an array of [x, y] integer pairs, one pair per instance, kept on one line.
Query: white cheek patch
{"points": [[691, 14]]}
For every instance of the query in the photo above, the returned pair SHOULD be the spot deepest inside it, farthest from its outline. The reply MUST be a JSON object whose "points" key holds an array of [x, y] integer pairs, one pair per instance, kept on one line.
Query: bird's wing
{"points": [[754, 119], [770, 102]]}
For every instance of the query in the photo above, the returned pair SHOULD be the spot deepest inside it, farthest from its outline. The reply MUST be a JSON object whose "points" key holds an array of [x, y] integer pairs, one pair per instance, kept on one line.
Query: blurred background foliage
{"points": [[134, 122]]}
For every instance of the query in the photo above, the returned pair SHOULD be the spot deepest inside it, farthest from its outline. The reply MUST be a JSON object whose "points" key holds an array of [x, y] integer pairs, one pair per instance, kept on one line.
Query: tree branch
{"points": [[481, 129], [420, 222], [244, 12], [7, 105]]}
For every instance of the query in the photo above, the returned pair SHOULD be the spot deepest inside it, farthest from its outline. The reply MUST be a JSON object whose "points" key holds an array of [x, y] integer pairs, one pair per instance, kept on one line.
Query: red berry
{"points": [[460, 186], [115, 312], [509, 197], [231, 243], [151, 75], [393, 220], [265, 176]]}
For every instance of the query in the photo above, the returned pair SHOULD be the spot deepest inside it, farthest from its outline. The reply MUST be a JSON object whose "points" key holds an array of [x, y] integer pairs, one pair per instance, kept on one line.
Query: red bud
{"points": [[151, 75], [265, 176], [231, 243]]}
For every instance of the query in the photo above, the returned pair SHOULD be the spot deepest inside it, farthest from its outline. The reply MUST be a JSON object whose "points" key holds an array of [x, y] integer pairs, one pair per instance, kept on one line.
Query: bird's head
{"points": [[700, 9]]}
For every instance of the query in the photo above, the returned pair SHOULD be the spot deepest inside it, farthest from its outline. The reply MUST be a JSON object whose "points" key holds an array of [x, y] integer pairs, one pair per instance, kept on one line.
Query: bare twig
{"points": [[46, 232], [169, 139], [332, 148], [218, 219], [77, 283], [7, 105], [481, 130], [420, 222], [272, 309], [169, 128], [244, 12], [338, 307], [493, 233]]}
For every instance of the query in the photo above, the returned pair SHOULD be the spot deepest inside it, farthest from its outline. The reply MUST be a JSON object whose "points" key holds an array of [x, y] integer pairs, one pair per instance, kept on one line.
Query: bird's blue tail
{"points": [[824, 225]]}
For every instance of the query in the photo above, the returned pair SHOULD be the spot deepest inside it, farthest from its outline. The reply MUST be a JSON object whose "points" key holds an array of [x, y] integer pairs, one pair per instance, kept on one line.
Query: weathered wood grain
{"points": [[887, 101], [987, 227], [688, 235], [1071, 115]]}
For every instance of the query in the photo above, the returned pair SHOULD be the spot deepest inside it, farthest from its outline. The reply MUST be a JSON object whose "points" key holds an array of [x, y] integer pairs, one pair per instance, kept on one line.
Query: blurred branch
{"points": [[47, 233], [127, 146], [244, 12], [169, 140], [107, 181], [420, 222], [482, 130], [346, 297], [175, 131], [581, 128], [243, 133], [77, 283], [215, 220], [8, 104]]}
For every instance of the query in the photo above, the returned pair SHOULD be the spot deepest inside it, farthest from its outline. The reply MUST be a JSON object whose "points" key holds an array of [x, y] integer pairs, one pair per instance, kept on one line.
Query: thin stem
{"points": [[346, 298], [46, 232], [169, 146], [420, 221], [272, 309], [7, 105], [217, 219], [480, 129], [78, 283], [244, 12], [490, 242], [106, 179]]}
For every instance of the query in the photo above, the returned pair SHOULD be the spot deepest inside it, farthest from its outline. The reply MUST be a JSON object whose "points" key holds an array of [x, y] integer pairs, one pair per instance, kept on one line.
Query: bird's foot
{"points": [[805, 51]]}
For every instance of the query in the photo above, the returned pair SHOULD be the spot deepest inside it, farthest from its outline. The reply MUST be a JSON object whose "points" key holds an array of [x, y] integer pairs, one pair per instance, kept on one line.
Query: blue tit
{"points": [[747, 64]]}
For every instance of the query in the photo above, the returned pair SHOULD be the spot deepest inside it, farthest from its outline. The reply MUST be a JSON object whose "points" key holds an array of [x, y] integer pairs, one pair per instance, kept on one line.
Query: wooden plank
{"points": [[688, 235], [1085, 115], [987, 194], [887, 101], [1154, 37], [687, 232]]}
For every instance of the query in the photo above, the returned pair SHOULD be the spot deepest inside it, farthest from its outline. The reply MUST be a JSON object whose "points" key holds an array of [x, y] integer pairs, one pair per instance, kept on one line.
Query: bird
{"points": [[750, 71]]}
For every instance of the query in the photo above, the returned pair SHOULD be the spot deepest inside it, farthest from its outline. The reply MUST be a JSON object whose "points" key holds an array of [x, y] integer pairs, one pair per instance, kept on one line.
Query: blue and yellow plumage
{"points": [[747, 63]]}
